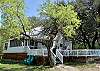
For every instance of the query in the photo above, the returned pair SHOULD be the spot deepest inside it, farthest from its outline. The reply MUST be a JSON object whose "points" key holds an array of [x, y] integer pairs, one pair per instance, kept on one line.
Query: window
{"points": [[15, 43], [61, 45], [25, 42], [6, 46], [36, 44], [32, 42]]}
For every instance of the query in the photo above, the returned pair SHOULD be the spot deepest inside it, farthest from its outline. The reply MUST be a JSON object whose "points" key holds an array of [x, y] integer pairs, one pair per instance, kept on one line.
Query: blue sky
{"points": [[32, 7]]}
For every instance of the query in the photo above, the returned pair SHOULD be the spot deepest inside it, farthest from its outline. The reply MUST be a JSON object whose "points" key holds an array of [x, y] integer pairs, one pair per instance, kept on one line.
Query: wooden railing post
{"points": [[68, 52], [77, 52]]}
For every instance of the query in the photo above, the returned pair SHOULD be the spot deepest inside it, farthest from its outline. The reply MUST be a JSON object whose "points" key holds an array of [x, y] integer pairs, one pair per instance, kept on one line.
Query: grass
{"points": [[18, 67]]}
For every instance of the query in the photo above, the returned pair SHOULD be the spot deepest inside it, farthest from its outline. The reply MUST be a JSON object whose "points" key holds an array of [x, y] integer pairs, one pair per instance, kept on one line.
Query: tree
{"points": [[14, 22], [64, 16], [60, 18], [88, 32], [13, 16], [35, 21]]}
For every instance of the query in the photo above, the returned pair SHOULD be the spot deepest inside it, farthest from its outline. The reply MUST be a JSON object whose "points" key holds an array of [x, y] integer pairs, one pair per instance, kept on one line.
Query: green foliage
{"points": [[19, 67], [88, 13], [66, 18], [13, 18], [35, 21], [79, 46]]}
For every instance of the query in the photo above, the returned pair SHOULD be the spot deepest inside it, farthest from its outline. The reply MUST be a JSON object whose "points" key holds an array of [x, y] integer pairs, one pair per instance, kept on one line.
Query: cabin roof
{"points": [[35, 31]]}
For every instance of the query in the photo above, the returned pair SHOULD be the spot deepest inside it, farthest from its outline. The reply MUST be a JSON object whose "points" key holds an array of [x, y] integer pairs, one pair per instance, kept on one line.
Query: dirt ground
{"points": [[66, 67], [95, 67]]}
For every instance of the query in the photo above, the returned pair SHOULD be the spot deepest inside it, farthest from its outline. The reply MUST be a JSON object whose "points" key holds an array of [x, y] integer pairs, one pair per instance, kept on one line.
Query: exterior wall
{"points": [[40, 46], [15, 56], [75, 59], [39, 60], [82, 59], [61, 43], [42, 60]]}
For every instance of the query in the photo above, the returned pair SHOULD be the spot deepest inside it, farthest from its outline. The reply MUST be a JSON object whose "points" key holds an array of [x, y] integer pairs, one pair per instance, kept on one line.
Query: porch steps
{"points": [[58, 61], [57, 57]]}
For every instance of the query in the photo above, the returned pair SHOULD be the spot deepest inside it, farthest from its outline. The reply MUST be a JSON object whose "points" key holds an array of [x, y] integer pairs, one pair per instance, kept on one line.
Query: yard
{"points": [[18, 67], [80, 67]]}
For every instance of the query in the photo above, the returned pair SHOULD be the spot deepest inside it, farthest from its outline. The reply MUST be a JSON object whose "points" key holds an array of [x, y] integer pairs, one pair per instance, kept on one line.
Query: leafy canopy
{"points": [[66, 18], [13, 18]]}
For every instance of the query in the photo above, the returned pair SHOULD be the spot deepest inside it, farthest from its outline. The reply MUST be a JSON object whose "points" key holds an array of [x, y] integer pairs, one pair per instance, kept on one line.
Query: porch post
{"points": [[8, 43], [22, 43], [27, 43]]}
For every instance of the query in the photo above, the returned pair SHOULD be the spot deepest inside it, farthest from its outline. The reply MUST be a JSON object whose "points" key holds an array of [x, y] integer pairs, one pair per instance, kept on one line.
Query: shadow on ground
{"points": [[18, 67]]}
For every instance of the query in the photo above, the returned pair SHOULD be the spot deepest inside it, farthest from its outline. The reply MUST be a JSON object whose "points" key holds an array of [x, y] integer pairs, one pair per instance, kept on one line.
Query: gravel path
{"points": [[70, 68], [64, 68]]}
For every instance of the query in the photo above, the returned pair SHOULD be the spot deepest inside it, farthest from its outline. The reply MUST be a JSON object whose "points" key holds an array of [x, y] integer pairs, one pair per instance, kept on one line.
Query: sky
{"points": [[32, 7]]}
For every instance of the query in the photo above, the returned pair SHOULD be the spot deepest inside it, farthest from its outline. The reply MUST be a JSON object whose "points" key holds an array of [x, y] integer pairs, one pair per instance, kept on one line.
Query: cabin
{"points": [[31, 50]]}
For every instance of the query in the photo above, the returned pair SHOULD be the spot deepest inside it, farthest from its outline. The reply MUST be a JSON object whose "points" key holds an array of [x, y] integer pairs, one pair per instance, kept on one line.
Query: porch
{"points": [[62, 55], [82, 54], [34, 52]]}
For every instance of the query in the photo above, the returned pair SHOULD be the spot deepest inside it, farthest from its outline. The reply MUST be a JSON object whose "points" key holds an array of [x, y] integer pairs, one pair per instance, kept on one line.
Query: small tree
{"points": [[60, 18]]}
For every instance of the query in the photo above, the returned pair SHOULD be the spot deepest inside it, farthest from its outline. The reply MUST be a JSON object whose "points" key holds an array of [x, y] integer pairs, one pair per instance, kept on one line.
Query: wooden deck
{"points": [[79, 55], [62, 55]]}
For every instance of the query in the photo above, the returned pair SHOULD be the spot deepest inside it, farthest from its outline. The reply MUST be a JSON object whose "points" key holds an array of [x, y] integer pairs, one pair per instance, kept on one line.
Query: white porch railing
{"points": [[59, 55], [19, 49], [53, 57], [38, 52], [69, 45], [87, 52]]}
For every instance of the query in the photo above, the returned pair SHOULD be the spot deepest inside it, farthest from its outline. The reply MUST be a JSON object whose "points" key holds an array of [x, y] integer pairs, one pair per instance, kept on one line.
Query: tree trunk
{"points": [[94, 39], [84, 42], [98, 41], [85, 38], [49, 53]]}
